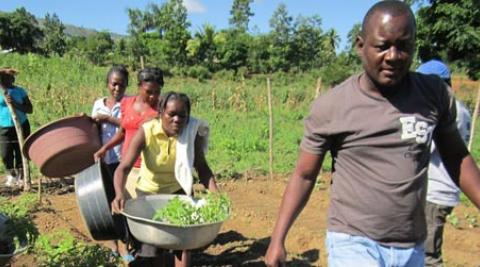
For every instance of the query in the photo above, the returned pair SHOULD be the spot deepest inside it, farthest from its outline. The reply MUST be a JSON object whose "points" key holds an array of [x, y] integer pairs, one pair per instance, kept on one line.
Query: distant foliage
{"points": [[160, 36], [240, 15], [55, 39], [451, 29], [19, 31]]}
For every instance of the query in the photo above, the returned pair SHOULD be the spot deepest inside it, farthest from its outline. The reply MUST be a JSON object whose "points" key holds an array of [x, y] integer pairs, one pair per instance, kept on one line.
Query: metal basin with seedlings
{"points": [[139, 213]]}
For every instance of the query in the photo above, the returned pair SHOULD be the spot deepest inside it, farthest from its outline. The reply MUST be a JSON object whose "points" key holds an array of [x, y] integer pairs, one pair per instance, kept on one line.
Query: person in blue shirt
{"points": [[9, 146], [442, 193]]}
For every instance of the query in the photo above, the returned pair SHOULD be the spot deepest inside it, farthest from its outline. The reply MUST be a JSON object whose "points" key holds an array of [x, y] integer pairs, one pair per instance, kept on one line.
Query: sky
{"points": [[111, 15]]}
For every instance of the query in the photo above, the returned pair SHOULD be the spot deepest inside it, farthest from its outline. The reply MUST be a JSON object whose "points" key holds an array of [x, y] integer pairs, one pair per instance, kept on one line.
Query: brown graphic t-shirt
{"points": [[380, 150]]}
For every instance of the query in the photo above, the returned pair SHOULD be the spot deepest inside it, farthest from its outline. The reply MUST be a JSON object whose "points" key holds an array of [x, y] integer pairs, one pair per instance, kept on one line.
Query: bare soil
{"points": [[245, 236]]}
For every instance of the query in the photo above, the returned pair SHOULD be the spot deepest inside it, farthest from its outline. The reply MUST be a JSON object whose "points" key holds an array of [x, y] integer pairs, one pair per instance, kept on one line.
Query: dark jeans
{"points": [[436, 216], [9, 147]]}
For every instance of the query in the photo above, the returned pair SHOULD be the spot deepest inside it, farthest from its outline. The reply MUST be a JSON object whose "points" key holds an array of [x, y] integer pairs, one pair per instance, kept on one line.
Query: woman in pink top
{"points": [[135, 110]]}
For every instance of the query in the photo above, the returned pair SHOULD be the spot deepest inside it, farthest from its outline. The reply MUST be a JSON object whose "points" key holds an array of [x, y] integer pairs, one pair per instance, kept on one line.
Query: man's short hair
{"points": [[393, 7]]}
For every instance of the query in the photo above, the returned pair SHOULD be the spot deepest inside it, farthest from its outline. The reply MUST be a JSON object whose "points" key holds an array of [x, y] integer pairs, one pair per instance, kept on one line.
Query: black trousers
{"points": [[9, 147], [436, 216]]}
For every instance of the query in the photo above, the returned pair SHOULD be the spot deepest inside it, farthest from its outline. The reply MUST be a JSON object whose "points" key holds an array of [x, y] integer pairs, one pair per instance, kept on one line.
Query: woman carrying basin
{"points": [[170, 147]]}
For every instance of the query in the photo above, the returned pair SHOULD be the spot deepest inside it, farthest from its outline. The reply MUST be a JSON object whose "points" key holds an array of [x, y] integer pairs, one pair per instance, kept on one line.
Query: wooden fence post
{"points": [[142, 64], [21, 141], [474, 119], [270, 129], [214, 97], [318, 89]]}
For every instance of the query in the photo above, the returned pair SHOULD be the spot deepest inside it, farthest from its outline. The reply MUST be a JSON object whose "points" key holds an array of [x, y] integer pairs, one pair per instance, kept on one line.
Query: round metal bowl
{"points": [[63, 147], [94, 192], [139, 213]]}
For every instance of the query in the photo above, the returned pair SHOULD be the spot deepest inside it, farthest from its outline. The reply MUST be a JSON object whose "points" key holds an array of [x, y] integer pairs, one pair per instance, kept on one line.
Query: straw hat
{"points": [[8, 71]]}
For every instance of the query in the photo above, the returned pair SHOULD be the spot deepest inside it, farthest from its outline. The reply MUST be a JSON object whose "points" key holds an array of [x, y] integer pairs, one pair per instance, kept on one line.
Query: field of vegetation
{"points": [[234, 105]]}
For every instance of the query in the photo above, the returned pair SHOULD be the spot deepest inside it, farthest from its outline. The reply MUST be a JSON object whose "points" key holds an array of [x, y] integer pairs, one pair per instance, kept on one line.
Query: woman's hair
{"points": [[150, 75], [7, 79], [170, 96], [121, 69]]}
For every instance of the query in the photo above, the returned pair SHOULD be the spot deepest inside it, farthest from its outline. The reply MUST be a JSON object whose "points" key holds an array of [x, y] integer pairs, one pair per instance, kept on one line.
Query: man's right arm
{"points": [[294, 199]]}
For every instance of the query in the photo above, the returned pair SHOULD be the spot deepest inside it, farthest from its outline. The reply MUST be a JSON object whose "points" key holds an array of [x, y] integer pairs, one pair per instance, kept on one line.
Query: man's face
{"points": [[387, 48]]}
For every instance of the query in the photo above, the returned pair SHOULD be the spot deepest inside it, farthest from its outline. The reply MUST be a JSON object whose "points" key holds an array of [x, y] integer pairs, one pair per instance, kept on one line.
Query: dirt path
{"points": [[245, 236]]}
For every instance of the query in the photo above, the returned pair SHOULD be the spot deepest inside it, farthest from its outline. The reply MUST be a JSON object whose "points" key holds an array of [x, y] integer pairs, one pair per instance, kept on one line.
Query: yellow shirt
{"points": [[157, 170]]}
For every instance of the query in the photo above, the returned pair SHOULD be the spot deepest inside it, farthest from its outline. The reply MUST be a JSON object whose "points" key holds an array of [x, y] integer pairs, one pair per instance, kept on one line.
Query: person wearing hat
{"points": [[442, 193], [9, 146]]}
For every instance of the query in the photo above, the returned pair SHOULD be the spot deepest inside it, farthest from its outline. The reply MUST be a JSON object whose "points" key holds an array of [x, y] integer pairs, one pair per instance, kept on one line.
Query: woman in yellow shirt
{"points": [[156, 141]]}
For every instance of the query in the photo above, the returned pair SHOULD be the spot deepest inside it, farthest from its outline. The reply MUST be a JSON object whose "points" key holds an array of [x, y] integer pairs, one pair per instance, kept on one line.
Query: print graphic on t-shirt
{"points": [[420, 130]]}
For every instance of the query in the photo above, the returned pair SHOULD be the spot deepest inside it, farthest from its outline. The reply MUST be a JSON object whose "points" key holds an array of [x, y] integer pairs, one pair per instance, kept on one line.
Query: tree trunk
{"points": [[21, 141]]}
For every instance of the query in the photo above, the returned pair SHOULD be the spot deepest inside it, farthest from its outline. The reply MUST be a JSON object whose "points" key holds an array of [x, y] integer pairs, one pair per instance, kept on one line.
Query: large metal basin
{"points": [[94, 192], [139, 213]]}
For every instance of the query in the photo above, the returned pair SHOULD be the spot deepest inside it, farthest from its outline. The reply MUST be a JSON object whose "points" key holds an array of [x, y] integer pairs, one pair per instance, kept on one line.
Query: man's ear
{"points": [[359, 43]]}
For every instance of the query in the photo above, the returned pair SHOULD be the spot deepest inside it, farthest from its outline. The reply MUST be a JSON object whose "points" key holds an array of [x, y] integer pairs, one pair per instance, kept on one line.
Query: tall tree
{"points": [[452, 29], [240, 15], [140, 22], [281, 35], [201, 49], [97, 47], [54, 40], [307, 42], [5, 33], [329, 45], [19, 31], [174, 22], [351, 53], [232, 49], [161, 31]]}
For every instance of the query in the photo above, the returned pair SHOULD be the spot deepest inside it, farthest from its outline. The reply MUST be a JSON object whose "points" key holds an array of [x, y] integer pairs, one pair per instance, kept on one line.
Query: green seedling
{"points": [[209, 208], [453, 220], [471, 220]]}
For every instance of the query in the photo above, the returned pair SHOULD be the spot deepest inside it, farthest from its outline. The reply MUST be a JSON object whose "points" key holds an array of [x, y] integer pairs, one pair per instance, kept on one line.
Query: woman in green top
{"points": [[156, 141]]}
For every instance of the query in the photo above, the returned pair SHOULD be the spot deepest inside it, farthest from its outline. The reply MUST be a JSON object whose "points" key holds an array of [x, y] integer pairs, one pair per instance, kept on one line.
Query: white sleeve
{"points": [[96, 107]]}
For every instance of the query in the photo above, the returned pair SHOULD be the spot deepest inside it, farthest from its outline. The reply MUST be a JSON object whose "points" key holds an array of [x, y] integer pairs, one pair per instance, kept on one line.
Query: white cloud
{"points": [[194, 6]]}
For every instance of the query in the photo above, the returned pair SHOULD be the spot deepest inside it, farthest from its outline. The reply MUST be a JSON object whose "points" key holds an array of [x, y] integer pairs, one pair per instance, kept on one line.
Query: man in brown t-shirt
{"points": [[378, 126]]}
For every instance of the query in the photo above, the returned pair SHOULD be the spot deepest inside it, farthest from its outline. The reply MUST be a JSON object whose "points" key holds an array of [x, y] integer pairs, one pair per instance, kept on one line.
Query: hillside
{"points": [[72, 30]]}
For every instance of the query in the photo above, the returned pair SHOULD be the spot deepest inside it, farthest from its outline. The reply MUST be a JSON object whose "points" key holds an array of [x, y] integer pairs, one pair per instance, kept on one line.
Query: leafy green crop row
{"points": [[59, 248]]}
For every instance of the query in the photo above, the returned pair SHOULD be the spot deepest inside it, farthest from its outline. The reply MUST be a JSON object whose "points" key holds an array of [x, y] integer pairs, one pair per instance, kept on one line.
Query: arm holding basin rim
{"points": [[116, 139], [134, 150], [126, 164]]}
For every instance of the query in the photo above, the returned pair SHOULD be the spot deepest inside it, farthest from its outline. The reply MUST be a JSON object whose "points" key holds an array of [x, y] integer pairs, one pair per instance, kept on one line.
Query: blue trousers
{"points": [[346, 250]]}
